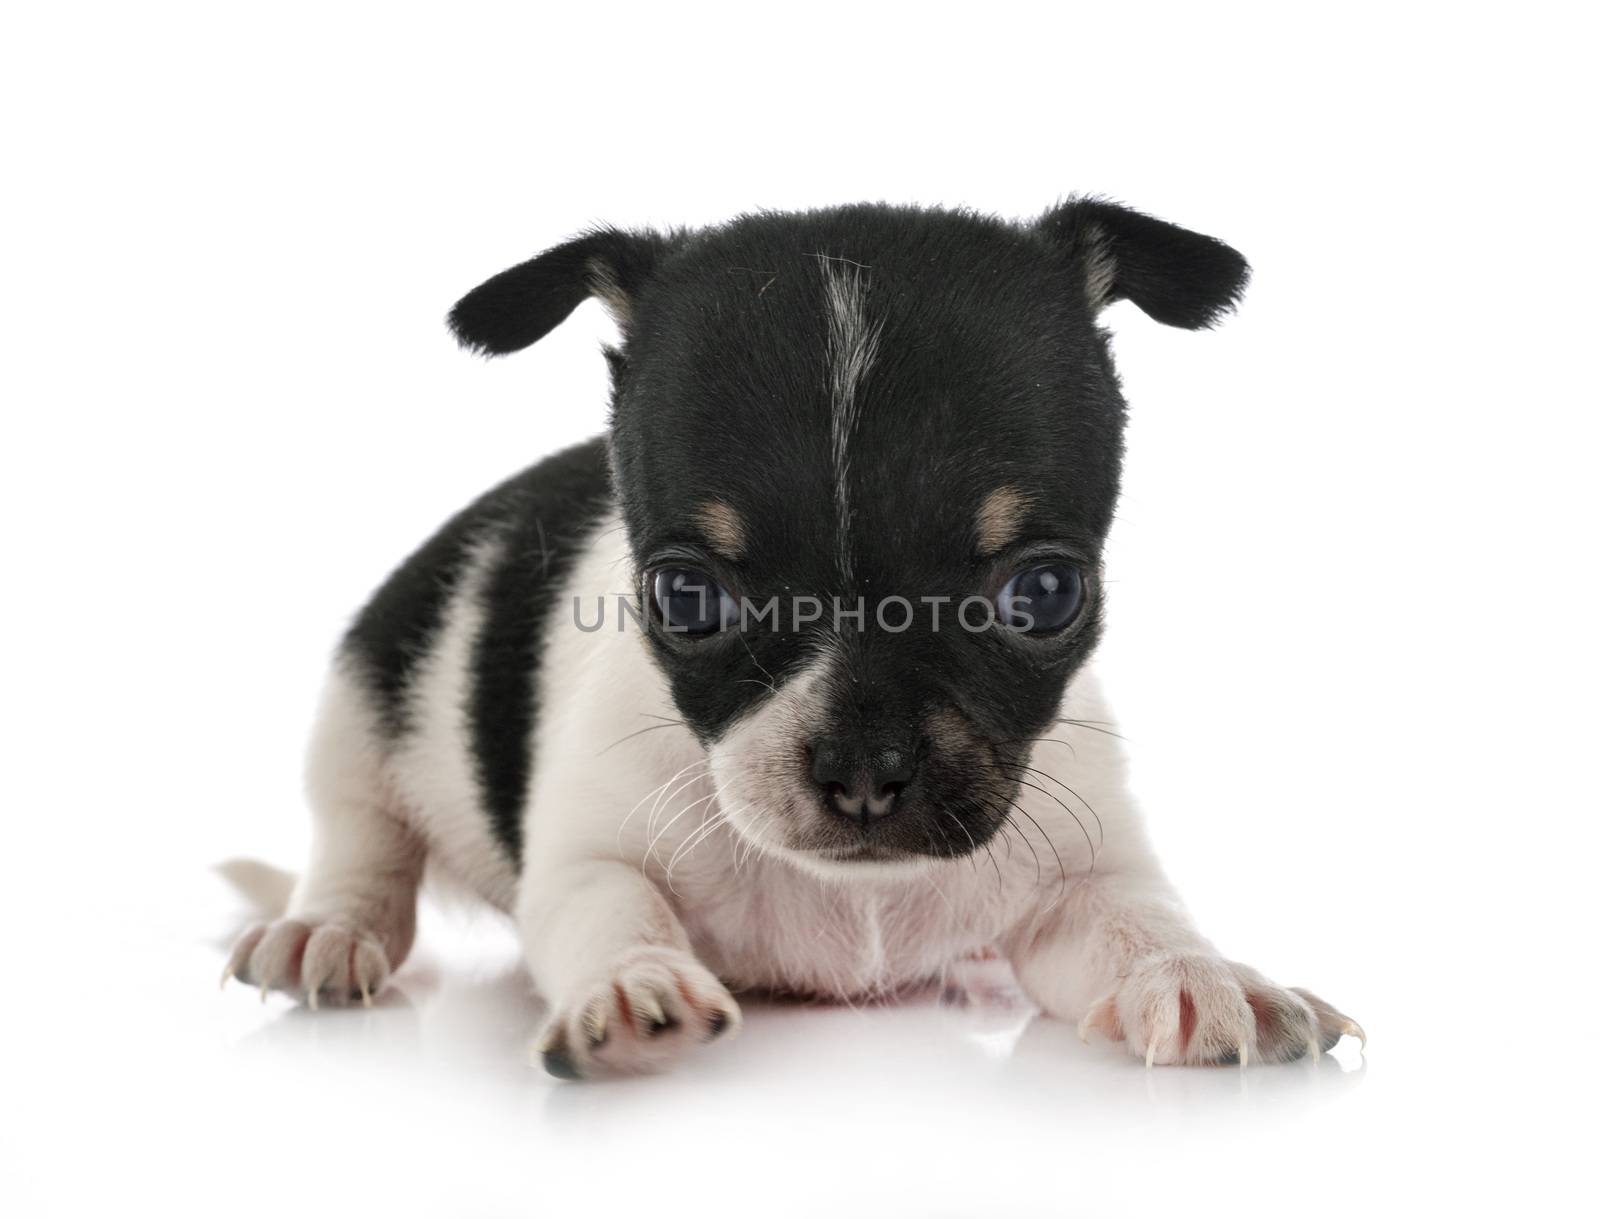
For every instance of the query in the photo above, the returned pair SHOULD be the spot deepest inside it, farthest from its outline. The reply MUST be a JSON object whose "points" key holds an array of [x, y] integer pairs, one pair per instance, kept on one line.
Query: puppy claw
{"points": [[239, 957], [655, 1016], [1201, 1009], [648, 1011], [1328, 1022], [302, 957]]}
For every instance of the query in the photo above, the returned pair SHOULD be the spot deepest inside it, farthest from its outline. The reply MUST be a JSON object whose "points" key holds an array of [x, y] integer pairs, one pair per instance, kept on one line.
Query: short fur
{"points": [[857, 405]]}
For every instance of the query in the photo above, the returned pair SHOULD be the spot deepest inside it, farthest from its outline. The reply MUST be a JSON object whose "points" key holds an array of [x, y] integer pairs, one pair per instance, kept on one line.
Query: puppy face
{"points": [[867, 459]]}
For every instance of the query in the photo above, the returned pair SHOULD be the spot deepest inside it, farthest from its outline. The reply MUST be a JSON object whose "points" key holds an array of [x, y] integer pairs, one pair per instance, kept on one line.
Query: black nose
{"points": [[859, 782]]}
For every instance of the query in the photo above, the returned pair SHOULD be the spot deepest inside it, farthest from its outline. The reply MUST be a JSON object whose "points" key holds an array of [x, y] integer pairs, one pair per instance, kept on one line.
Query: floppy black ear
{"points": [[1177, 277], [520, 306]]}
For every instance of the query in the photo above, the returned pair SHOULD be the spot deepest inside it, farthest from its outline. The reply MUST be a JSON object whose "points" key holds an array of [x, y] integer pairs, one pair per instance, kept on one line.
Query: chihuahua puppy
{"points": [[783, 683]]}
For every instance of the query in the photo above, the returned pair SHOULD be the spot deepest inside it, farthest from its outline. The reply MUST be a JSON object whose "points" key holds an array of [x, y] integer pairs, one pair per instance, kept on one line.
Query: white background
{"points": [[1351, 626]]}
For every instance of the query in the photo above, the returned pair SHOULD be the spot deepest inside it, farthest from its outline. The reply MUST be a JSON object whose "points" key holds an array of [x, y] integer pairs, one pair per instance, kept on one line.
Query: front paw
{"points": [[1194, 1009], [642, 1013], [310, 959]]}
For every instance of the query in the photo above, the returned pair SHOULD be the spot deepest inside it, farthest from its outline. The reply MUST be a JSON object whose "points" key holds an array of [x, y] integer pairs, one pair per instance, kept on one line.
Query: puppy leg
{"points": [[1120, 956], [626, 992], [352, 916]]}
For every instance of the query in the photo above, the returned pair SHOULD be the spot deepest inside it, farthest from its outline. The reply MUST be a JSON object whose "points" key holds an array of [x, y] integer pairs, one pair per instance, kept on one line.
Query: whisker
{"points": [[1050, 842], [949, 851], [1003, 830], [999, 880], [640, 732], [629, 816], [1092, 726], [1038, 864], [1044, 791], [972, 855], [692, 841], [1054, 740], [1044, 774], [742, 848], [933, 884], [656, 809], [1007, 822], [650, 849]]}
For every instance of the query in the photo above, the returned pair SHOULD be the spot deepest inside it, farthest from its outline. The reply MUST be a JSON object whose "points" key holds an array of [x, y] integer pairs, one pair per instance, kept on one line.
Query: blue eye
{"points": [[1041, 599], [691, 602]]}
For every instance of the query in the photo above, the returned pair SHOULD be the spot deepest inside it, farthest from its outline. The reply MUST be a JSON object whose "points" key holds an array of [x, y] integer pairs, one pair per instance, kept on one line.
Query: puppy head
{"points": [[867, 459]]}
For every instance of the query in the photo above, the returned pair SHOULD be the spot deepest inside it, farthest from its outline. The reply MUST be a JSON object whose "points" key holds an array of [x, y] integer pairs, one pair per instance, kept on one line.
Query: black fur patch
{"points": [[551, 513], [540, 520], [396, 629]]}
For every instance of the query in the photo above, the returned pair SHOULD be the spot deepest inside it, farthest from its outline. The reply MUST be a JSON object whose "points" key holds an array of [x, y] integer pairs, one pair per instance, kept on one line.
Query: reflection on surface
{"points": [[950, 1102], [978, 1039]]}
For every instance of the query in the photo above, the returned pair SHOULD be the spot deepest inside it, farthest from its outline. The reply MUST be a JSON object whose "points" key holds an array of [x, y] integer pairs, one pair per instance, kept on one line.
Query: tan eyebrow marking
{"points": [[722, 526], [1000, 518]]}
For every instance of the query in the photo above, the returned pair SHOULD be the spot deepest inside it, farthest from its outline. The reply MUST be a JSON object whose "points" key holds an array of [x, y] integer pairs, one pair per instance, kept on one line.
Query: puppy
{"points": [[783, 683]]}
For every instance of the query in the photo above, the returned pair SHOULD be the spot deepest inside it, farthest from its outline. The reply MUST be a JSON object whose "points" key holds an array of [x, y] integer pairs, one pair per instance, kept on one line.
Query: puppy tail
{"points": [[265, 887]]}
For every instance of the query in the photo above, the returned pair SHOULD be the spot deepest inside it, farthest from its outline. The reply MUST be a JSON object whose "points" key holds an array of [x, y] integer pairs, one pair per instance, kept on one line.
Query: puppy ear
{"points": [[1177, 277], [519, 307]]}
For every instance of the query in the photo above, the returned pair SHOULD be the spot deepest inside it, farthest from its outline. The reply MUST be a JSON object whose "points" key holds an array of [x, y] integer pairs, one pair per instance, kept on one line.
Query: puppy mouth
{"points": [[863, 853], [863, 861]]}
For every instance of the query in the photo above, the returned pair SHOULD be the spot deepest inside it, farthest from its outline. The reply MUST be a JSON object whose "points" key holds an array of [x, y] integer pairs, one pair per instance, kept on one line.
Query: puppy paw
{"points": [[1193, 1009], [641, 1014], [310, 960]]}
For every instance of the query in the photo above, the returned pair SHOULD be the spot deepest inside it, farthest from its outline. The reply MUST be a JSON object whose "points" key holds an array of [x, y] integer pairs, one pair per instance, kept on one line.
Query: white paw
{"points": [[1194, 1009], [642, 1013], [310, 959]]}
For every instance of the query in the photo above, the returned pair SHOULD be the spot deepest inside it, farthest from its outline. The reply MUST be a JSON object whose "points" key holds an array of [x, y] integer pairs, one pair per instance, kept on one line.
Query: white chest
{"points": [[771, 927]]}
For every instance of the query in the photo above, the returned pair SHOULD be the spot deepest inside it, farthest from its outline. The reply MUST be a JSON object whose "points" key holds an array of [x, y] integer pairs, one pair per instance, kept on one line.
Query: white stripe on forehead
{"points": [[852, 346]]}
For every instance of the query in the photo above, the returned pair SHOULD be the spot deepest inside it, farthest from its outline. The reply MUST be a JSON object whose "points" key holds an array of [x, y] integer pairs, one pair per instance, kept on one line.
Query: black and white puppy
{"points": [[783, 684]]}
